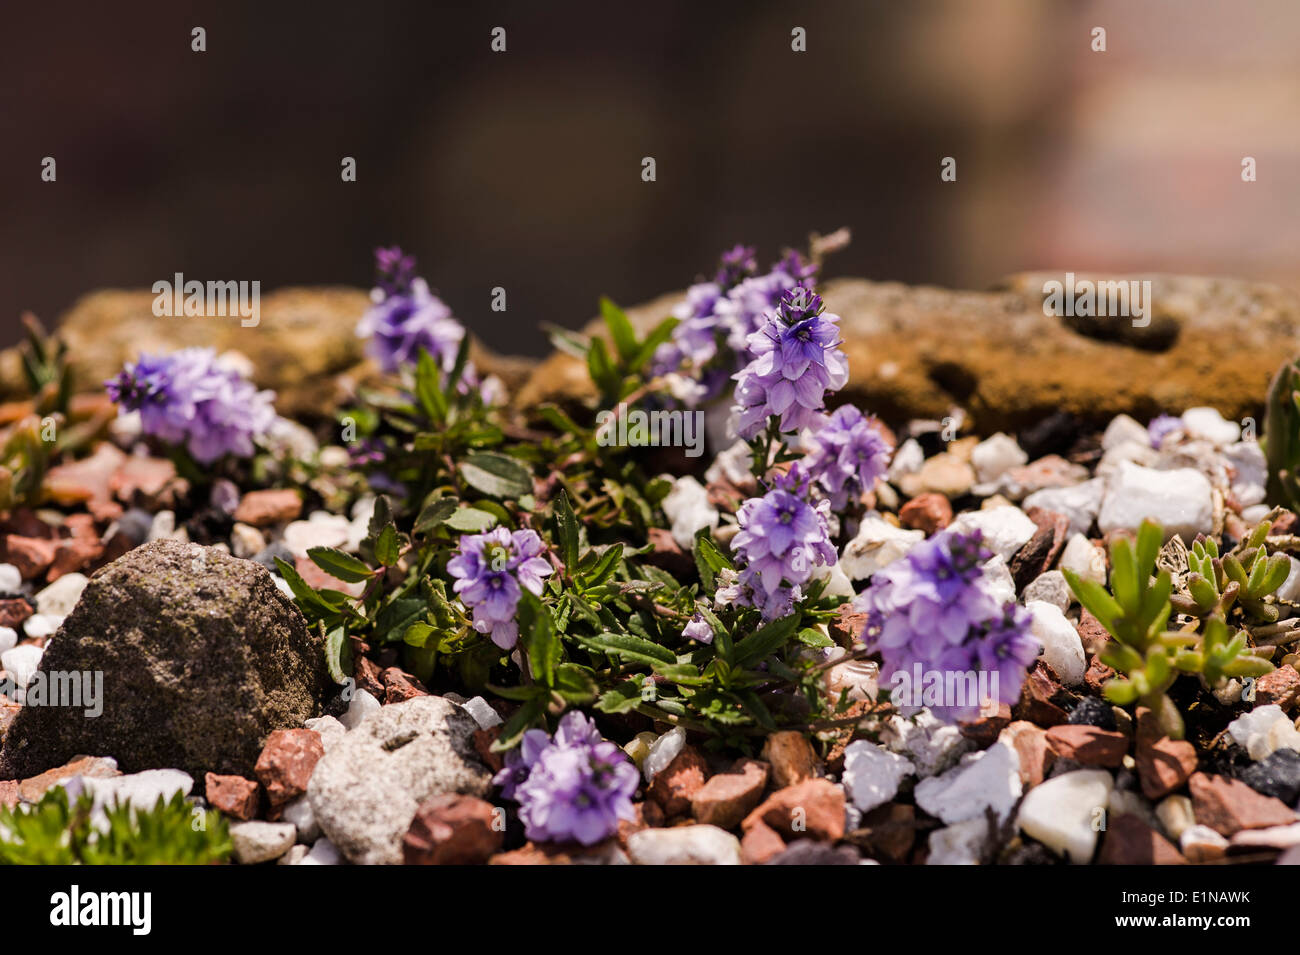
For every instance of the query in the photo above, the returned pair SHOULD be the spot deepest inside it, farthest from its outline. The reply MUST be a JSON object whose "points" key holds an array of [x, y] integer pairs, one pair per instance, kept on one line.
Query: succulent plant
{"points": [[1136, 611], [1214, 584], [1282, 436], [62, 831]]}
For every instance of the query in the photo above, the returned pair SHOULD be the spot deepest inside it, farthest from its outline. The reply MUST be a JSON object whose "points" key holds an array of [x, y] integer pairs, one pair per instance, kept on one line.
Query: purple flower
{"points": [[937, 611], [1161, 427], [574, 786], [188, 398], [736, 265], [490, 569], [395, 270], [406, 317], [781, 538], [848, 454], [717, 318], [795, 361], [698, 629]]}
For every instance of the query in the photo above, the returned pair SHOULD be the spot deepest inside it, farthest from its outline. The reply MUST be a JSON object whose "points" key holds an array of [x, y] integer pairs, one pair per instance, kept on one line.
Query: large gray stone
{"points": [[202, 657], [366, 788]]}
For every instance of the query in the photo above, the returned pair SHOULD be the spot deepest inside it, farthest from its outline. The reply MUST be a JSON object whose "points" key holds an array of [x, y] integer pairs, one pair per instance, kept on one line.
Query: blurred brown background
{"points": [[522, 169]]}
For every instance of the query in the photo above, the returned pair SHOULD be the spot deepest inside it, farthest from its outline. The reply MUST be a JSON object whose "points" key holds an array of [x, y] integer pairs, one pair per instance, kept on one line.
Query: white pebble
{"points": [[1050, 588], [1062, 648], [11, 581], [42, 625], [1006, 529], [1064, 813], [1122, 428], [1180, 500], [483, 714], [20, 663], [994, 456], [1084, 559], [60, 597], [662, 752], [877, 544], [986, 780], [872, 774], [361, 706], [1207, 423], [688, 509]]}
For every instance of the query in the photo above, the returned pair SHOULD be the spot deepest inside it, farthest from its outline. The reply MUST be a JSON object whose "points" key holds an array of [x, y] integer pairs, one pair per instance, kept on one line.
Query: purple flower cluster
{"points": [[795, 361], [403, 320], [781, 538], [847, 454], [406, 317], [936, 610], [490, 569], [573, 786], [717, 318], [188, 398]]}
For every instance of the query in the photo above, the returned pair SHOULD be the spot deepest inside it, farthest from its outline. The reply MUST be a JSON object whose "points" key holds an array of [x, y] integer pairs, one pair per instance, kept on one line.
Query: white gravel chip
{"points": [[259, 841], [1006, 529], [1062, 648], [58, 599], [684, 845], [1181, 500], [877, 544], [1079, 502], [872, 774], [361, 706], [1064, 813], [1050, 588], [688, 509], [483, 714], [11, 581], [995, 456], [987, 780]]}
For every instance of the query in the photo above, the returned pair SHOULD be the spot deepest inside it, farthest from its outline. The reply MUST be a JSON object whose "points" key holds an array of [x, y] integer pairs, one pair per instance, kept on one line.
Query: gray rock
{"points": [[366, 788], [258, 841], [202, 657]]}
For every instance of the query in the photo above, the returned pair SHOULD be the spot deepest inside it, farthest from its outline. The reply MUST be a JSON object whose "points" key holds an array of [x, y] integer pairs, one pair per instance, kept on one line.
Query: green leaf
{"points": [[566, 532], [522, 720], [338, 564], [658, 335], [303, 592], [605, 566], [434, 513], [1124, 576], [470, 520], [496, 475], [388, 549], [766, 640], [1094, 598], [812, 637], [338, 654], [428, 387], [540, 641], [575, 683], [418, 635], [602, 371], [395, 617], [629, 647], [623, 698], [620, 329]]}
